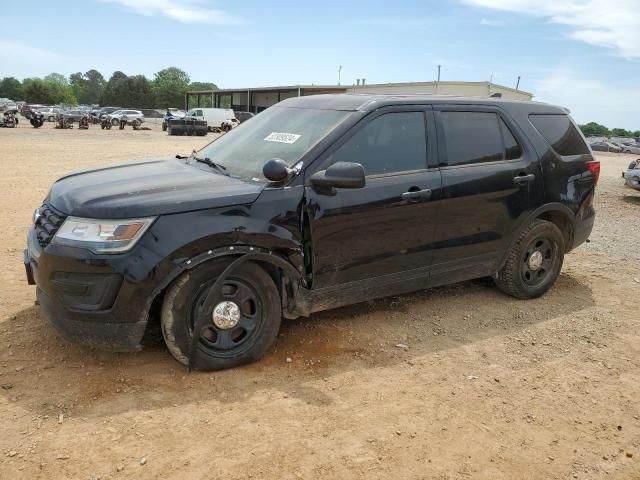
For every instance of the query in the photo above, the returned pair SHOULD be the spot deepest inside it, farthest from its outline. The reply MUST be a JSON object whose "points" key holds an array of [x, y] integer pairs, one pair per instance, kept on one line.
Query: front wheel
{"points": [[534, 261], [243, 322]]}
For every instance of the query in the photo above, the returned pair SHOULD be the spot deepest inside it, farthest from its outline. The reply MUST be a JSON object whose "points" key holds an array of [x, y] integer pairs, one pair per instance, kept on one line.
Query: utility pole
{"points": [[518, 83], [339, 72], [439, 67]]}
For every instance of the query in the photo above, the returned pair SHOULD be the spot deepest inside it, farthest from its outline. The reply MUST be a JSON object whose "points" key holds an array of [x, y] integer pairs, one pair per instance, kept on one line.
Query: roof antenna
{"points": [[518, 83]]}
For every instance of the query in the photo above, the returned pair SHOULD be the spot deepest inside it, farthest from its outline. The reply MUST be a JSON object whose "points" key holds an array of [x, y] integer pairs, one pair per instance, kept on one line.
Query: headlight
{"points": [[101, 236]]}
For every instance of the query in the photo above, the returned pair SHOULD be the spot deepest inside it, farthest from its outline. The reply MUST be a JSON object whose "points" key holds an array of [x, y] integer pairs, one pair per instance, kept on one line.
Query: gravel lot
{"points": [[487, 387]]}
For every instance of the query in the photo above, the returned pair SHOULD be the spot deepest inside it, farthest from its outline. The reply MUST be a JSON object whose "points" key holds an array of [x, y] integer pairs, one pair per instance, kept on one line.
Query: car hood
{"points": [[147, 188]]}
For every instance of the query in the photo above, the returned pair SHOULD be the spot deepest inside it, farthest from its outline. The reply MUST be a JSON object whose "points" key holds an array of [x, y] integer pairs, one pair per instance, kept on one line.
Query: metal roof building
{"points": [[256, 99]]}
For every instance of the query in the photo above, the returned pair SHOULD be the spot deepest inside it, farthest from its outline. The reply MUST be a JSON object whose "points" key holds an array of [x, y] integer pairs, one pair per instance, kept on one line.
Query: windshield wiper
{"points": [[219, 167]]}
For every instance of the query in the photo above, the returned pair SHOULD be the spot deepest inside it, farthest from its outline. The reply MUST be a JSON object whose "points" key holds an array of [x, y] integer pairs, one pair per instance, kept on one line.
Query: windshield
{"points": [[278, 132]]}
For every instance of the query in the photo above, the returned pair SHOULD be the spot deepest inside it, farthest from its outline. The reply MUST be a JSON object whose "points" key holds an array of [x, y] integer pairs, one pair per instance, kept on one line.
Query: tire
{"points": [[519, 277], [164, 126], [169, 130], [222, 348], [50, 119]]}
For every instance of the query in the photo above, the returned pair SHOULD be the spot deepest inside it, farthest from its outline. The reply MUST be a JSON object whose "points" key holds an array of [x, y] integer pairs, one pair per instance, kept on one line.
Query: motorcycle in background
{"points": [[37, 119], [105, 122], [9, 119], [84, 122]]}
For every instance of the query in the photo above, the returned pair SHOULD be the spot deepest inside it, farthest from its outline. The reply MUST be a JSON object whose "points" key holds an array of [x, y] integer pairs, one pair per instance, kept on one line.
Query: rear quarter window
{"points": [[560, 134]]}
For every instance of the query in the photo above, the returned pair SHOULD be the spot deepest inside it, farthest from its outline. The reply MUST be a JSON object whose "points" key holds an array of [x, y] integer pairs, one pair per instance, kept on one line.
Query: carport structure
{"points": [[254, 100]]}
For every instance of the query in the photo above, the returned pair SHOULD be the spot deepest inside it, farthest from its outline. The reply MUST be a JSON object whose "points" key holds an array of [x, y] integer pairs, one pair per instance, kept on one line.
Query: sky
{"points": [[582, 54]]}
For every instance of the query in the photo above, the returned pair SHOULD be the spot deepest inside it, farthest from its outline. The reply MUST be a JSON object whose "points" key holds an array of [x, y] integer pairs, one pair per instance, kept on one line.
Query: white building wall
{"points": [[463, 89]]}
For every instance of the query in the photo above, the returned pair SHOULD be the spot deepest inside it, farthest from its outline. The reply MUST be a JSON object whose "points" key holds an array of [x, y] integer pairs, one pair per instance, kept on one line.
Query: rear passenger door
{"points": [[491, 177]]}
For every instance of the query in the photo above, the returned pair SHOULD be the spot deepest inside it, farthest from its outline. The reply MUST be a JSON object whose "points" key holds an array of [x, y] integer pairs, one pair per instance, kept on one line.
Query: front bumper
{"points": [[95, 300]]}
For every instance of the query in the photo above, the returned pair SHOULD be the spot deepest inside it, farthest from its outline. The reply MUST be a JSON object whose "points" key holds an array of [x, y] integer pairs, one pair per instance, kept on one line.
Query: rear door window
{"points": [[477, 137], [560, 134]]}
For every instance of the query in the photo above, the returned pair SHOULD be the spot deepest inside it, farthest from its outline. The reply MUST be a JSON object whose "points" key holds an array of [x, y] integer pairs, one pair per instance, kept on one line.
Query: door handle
{"points": [[522, 180], [417, 195]]}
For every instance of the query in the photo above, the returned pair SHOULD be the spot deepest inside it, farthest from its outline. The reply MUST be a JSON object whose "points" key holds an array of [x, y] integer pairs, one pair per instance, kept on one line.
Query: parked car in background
{"points": [[635, 149], [131, 115], [317, 203], [214, 117], [605, 147], [72, 116], [243, 116], [49, 113], [632, 175]]}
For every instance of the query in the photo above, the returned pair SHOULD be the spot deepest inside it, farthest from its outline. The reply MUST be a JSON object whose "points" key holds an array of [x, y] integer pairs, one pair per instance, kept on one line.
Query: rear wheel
{"points": [[534, 261], [243, 322]]}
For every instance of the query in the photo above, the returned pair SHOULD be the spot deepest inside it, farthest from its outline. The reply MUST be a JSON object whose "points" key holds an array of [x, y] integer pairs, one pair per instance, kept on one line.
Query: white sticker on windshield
{"points": [[282, 137]]}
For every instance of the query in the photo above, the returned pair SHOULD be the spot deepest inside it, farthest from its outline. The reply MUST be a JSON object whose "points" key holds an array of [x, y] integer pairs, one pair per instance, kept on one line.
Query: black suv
{"points": [[317, 202]]}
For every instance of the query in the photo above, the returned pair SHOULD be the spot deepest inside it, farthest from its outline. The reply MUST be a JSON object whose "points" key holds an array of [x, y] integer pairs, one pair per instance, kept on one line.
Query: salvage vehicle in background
{"points": [[73, 116], [129, 115], [49, 113], [243, 116], [318, 202], [171, 114], [632, 175], [605, 147], [214, 117], [187, 126], [634, 149]]}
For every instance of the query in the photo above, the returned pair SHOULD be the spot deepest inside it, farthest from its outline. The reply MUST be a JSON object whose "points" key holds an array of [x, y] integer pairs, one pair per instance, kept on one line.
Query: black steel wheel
{"points": [[533, 262], [239, 328]]}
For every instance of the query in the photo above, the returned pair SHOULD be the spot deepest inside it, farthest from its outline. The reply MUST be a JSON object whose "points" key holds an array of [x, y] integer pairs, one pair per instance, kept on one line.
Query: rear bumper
{"points": [[582, 230]]}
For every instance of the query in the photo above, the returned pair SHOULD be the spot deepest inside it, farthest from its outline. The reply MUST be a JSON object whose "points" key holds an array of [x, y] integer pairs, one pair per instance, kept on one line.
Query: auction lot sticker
{"points": [[282, 137]]}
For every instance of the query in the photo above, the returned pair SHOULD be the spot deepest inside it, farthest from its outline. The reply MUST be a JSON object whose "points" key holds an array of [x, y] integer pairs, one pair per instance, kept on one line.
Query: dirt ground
{"points": [[488, 387]]}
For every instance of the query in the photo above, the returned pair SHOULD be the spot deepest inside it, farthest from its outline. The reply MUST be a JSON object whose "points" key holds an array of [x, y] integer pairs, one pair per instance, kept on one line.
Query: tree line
{"points": [[595, 129], [166, 89]]}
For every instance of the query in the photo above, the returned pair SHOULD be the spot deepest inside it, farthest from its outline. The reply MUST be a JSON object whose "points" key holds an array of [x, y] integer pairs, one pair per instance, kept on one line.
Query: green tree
{"points": [[620, 132], [636, 134], [11, 87], [593, 128], [37, 90], [115, 90], [88, 88], [170, 86], [140, 92], [94, 86], [48, 92], [57, 78], [196, 86]]}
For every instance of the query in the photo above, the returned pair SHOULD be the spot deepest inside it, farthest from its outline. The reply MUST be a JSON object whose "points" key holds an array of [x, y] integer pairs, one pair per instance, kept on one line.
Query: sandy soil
{"points": [[488, 387]]}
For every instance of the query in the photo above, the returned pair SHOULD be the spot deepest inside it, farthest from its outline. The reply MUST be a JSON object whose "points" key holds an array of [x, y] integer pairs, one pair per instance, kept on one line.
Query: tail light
{"points": [[594, 168]]}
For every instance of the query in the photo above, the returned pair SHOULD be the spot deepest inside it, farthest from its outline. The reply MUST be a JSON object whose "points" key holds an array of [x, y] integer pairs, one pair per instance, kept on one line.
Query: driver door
{"points": [[385, 228]]}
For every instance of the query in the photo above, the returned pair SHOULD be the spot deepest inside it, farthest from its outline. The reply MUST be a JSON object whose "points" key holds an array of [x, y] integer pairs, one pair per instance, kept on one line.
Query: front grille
{"points": [[48, 223]]}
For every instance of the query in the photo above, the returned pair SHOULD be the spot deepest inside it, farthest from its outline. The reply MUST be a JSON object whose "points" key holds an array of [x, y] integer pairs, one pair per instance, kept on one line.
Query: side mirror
{"points": [[340, 175], [276, 170]]}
